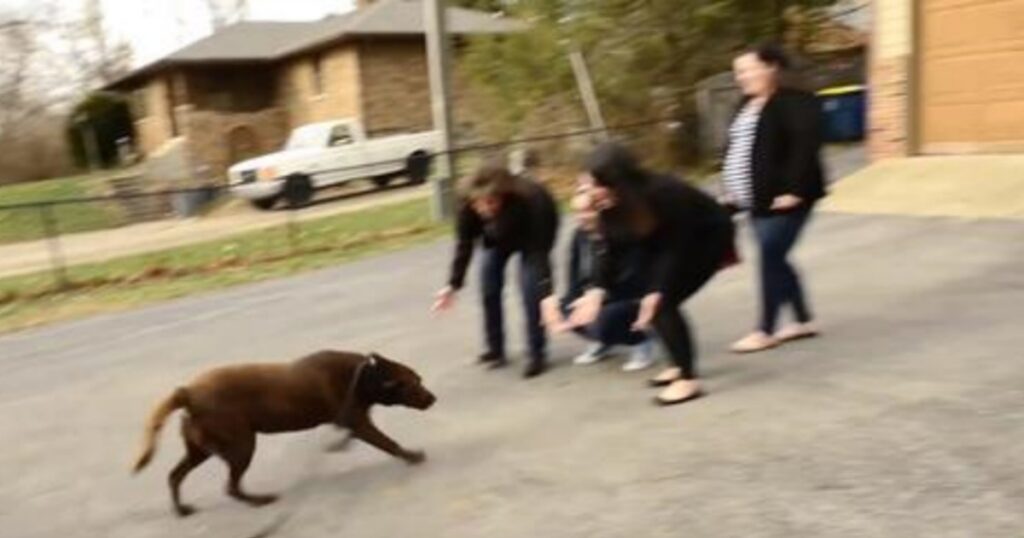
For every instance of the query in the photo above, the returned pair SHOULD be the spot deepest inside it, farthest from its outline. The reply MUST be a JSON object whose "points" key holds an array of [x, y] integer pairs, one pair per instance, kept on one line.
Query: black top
{"points": [[786, 158], [629, 268], [685, 220], [526, 223]]}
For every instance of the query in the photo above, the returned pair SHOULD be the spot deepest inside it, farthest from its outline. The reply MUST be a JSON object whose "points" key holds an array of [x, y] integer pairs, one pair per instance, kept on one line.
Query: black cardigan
{"points": [[786, 157]]}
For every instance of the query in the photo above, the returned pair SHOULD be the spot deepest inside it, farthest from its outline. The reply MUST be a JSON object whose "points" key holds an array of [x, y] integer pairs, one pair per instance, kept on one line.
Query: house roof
{"points": [[266, 41]]}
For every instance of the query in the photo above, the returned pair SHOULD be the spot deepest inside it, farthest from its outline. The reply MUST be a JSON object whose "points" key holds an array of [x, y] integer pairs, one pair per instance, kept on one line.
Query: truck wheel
{"points": [[298, 190], [417, 167], [264, 204]]}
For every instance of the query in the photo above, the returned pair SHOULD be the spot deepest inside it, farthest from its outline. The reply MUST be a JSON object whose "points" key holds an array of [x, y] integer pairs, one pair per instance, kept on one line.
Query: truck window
{"points": [[340, 135]]}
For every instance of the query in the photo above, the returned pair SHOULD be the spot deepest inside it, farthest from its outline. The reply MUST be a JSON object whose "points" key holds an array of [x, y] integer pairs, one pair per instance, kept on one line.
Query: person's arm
{"points": [[574, 281], [802, 124], [468, 228]]}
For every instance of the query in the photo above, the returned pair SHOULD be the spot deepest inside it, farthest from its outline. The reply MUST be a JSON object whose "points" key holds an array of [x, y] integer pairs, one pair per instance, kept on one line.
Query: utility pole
{"points": [[587, 93], [438, 63]]}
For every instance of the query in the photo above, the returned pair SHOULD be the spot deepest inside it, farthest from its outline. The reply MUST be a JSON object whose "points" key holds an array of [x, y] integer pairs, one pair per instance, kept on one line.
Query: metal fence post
{"points": [[57, 262], [292, 228]]}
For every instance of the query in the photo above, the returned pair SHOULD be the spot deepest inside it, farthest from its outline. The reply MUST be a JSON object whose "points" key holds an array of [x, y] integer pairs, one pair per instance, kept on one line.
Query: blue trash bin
{"points": [[844, 109]]}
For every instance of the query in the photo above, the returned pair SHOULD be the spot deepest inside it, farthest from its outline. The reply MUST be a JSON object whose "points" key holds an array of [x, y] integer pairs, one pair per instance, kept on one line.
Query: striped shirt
{"points": [[736, 173]]}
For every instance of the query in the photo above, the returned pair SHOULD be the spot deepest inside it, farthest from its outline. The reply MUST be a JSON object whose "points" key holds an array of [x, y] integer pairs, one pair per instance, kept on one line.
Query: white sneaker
{"points": [[641, 358], [594, 354]]}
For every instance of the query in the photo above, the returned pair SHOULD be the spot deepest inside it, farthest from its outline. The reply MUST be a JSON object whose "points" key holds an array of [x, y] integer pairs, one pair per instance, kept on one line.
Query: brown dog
{"points": [[226, 407]]}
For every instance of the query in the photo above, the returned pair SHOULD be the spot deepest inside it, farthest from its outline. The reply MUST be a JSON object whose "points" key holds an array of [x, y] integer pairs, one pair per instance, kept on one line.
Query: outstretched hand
{"points": [[444, 299]]}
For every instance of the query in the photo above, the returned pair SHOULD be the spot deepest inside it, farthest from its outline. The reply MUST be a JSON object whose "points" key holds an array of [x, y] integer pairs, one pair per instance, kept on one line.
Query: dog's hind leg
{"points": [[194, 456], [238, 455]]}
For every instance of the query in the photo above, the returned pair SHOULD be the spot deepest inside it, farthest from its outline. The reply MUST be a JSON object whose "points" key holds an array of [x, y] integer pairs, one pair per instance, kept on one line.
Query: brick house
{"points": [[240, 91], [947, 77]]}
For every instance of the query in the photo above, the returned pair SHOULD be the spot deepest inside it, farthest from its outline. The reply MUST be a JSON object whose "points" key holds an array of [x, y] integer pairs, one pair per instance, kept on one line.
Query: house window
{"points": [[318, 74]]}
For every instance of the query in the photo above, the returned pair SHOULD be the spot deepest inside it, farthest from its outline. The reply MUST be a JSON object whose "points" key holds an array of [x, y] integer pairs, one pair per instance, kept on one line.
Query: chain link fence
{"points": [[52, 246]]}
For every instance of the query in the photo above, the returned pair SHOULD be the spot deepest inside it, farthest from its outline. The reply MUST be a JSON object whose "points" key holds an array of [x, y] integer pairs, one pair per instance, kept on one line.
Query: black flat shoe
{"points": [[496, 364], [666, 403], [658, 383], [489, 357], [535, 369]]}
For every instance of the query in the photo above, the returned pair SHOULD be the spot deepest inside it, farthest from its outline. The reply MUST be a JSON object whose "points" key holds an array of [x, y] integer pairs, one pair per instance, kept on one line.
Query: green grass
{"points": [[26, 224], [143, 279]]}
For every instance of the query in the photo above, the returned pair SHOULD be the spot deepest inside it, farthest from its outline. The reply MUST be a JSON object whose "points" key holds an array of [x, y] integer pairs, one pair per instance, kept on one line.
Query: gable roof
{"points": [[266, 41]]}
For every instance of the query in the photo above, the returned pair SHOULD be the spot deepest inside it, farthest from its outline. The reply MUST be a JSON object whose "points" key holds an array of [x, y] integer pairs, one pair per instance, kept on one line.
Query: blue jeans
{"points": [[614, 324], [492, 283], [780, 283]]}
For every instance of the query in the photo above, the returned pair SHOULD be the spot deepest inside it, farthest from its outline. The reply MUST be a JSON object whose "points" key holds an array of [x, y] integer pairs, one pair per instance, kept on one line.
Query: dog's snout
{"points": [[427, 400]]}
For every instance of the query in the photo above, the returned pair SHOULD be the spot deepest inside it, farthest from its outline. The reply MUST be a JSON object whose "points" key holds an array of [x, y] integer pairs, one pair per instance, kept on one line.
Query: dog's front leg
{"points": [[365, 430], [341, 444]]}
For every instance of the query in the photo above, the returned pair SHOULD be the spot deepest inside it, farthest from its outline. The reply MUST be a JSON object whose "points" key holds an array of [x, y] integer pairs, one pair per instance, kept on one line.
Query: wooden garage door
{"points": [[971, 93]]}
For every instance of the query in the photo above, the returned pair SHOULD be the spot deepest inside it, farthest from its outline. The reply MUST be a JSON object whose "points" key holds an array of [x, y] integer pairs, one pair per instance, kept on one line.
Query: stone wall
{"points": [[154, 129], [889, 113], [395, 86], [297, 95], [219, 139]]}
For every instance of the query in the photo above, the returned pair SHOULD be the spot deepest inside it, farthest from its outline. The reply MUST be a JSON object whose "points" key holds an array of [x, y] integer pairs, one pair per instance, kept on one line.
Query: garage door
{"points": [[971, 92]]}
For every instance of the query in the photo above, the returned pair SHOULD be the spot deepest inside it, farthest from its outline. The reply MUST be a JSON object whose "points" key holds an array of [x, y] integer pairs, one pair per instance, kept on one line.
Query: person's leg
{"points": [[777, 236], [492, 282], [536, 335], [614, 325], [675, 334], [769, 232], [672, 328], [795, 293]]}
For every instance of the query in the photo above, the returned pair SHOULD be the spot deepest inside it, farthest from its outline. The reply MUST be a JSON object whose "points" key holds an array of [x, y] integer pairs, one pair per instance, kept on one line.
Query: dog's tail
{"points": [[177, 400]]}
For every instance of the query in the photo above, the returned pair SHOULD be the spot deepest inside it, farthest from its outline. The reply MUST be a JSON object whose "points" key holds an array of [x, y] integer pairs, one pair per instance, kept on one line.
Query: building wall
{"points": [[153, 128], [971, 76], [891, 67], [297, 94], [395, 86], [217, 140]]}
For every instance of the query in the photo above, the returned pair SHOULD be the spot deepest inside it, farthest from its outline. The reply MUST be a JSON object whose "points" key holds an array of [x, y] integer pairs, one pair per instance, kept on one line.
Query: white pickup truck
{"points": [[329, 153]]}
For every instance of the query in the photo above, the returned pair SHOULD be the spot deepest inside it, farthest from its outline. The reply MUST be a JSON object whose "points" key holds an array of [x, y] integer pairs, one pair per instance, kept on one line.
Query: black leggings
{"points": [[702, 262]]}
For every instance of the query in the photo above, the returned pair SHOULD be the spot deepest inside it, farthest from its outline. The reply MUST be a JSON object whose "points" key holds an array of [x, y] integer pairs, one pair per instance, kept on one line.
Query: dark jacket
{"points": [[787, 150], [687, 222], [527, 223], [629, 269]]}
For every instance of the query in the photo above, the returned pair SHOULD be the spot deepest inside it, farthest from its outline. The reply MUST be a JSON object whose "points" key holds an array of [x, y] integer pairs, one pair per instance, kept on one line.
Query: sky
{"points": [[155, 28]]}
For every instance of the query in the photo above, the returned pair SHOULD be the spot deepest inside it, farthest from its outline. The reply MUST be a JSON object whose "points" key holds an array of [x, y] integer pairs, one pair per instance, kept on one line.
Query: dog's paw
{"points": [[184, 510], [261, 500], [415, 457]]}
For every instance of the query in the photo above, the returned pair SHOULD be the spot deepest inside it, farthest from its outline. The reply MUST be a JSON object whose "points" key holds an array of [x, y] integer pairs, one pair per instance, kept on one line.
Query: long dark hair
{"points": [[614, 166]]}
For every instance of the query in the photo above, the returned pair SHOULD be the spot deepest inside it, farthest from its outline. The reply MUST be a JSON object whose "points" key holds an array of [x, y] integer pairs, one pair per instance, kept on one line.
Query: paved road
{"points": [[904, 421]]}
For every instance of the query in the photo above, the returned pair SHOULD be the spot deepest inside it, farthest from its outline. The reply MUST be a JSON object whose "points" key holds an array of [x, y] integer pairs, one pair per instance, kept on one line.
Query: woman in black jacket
{"points": [[688, 237], [773, 170], [507, 215]]}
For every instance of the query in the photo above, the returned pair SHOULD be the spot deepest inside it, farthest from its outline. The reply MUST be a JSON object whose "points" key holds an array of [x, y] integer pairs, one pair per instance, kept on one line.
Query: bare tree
{"points": [[225, 12], [31, 130], [95, 57]]}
